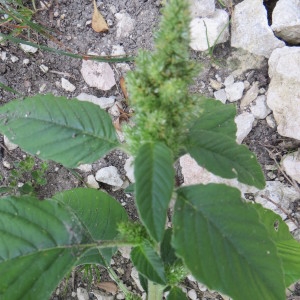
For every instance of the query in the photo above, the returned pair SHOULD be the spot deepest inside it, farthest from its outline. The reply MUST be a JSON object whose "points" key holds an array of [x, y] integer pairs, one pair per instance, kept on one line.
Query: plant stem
{"points": [[155, 291]]}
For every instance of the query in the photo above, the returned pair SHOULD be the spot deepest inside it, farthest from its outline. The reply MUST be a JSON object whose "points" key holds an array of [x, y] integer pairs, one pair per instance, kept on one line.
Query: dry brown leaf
{"points": [[123, 87], [98, 22], [108, 286]]}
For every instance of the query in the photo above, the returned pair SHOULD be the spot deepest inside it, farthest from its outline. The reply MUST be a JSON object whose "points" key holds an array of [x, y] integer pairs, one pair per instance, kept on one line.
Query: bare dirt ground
{"points": [[70, 22]]}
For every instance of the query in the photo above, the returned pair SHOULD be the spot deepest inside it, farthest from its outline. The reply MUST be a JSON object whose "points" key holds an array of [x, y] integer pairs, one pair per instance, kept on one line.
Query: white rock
{"points": [[241, 61], [101, 296], [250, 29], [67, 85], [118, 50], [251, 95], [279, 193], [98, 74], [82, 294], [125, 251], [194, 174], [229, 80], [44, 68], [120, 296], [85, 168], [3, 55], [221, 95], [28, 49], [6, 164], [292, 226], [135, 277], [215, 24], [234, 91], [202, 287], [260, 109], [91, 182], [109, 175], [103, 102], [244, 123], [9, 145], [271, 121], [286, 20], [291, 165], [13, 58], [202, 8], [129, 168], [25, 61], [125, 24], [283, 95], [192, 294]]}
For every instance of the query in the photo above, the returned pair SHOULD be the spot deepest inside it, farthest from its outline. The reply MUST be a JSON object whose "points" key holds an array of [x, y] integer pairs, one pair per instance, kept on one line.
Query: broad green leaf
{"points": [[98, 211], [222, 242], [40, 241], [216, 116], [36, 249], [148, 263], [166, 250], [221, 155], [154, 176], [288, 248], [95, 220], [176, 294], [70, 132]]}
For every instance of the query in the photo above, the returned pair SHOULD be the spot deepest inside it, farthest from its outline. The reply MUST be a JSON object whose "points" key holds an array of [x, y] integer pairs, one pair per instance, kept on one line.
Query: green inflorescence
{"points": [[158, 87]]}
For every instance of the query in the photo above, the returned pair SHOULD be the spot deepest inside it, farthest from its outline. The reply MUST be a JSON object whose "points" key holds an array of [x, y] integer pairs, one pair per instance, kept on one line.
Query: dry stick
{"points": [[282, 209], [290, 180]]}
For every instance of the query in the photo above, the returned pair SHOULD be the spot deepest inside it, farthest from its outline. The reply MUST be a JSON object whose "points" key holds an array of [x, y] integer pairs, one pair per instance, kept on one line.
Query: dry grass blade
{"points": [[98, 22]]}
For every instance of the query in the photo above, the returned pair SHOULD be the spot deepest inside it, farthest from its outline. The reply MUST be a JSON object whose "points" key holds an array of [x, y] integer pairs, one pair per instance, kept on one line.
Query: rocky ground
{"points": [[252, 60]]}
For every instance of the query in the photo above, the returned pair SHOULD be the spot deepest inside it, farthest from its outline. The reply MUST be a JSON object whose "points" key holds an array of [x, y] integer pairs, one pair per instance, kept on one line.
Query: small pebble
{"points": [[44, 68], [67, 85], [14, 58], [192, 294], [25, 61]]}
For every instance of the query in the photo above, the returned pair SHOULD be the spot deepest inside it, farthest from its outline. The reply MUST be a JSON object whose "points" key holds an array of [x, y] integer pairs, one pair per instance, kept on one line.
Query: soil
{"points": [[69, 21]]}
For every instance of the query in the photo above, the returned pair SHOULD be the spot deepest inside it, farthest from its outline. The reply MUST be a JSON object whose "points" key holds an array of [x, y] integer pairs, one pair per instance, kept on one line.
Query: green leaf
{"points": [[166, 250], [214, 148], [98, 211], [97, 256], [154, 176], [148, 263], [36, 246], [70, 132], [143, 282], [176, 294], [207, 120], [288, 248], [95, 220], [224, 245], [40, 241]]}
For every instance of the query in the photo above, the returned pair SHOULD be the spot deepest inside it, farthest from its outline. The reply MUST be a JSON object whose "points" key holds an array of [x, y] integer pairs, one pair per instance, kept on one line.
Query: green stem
{"points": [[155, 291]]}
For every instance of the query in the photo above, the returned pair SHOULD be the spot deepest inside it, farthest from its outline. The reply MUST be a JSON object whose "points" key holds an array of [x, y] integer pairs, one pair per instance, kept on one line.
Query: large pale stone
{"points": [[98, 74], [286, 20], [291, 165], [250, 29], [125, 25], [202, 8], [244, 123], [213, 28], [194, 174], [283, 95]]}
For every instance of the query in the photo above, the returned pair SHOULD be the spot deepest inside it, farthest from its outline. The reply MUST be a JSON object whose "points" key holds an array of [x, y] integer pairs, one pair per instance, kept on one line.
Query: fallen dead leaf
{"points": [[98, 22], [123, 87], [108, 286]]}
